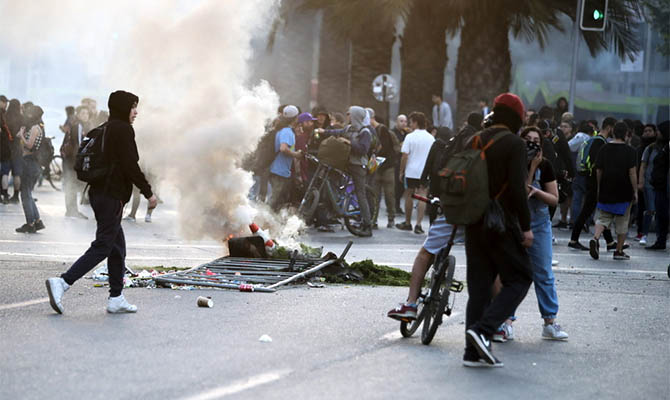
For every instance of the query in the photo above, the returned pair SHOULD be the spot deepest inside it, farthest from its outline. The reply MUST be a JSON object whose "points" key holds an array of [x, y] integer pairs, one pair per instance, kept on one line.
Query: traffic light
{"points": [[594, 15]]}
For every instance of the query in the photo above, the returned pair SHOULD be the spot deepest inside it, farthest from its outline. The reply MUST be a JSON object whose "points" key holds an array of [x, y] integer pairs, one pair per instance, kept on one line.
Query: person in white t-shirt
{"points": [[414, 151]]}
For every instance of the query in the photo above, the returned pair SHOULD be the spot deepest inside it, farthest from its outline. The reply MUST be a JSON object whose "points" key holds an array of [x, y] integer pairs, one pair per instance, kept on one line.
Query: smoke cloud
{"points": [[188, 63]]}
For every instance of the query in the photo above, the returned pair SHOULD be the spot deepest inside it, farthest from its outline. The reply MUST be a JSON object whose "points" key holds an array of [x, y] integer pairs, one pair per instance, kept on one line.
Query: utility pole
{"points": [[575, 52]]}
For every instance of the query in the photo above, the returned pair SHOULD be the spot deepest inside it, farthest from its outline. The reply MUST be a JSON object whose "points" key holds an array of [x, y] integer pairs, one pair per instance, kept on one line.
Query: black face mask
{"points": [[532, 150]]}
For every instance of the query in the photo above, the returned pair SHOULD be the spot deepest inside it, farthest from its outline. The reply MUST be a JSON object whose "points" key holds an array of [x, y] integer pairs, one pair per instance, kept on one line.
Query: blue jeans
{"points": [[31, 173], [540, 256], [578, 193]]}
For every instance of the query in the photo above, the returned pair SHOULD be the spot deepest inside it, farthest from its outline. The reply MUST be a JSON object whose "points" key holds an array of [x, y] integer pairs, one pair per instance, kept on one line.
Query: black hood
{"points": [[120, 103]]}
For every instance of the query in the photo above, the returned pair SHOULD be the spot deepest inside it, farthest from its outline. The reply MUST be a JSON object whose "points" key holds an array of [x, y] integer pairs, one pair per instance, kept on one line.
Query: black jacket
{"points": [[121, 151]]}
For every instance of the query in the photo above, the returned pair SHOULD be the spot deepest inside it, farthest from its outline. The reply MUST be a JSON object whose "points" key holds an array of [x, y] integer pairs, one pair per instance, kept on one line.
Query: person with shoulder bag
{"points": [[109, 192], [30, 142]]}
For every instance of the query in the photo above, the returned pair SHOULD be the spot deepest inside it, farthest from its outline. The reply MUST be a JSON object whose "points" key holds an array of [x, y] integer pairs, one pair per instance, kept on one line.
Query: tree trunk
{"points": [[424, 58], [484, 64], [333, 69], [371, 57]]}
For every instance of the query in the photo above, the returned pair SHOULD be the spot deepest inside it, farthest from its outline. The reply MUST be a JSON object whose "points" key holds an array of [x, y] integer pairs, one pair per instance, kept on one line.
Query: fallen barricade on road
{"points": [[249, 274]]}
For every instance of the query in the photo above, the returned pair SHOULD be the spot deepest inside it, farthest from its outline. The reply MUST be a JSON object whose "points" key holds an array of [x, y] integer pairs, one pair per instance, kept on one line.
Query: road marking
{"points": [[240, 385], [76, 256], [139, 246], [24, 304]]}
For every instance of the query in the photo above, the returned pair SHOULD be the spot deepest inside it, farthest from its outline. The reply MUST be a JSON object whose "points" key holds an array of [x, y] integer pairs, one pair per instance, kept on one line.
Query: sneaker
{"points": [[553, 240], [14, 199], [117, 305], [561, 226], [553, 332], [554, 263], [482, 344], [643, 240], [56, 287], [504, 333], [476, 362], [325, 228], [418, 230], [25, 228], [594, 249], [638, 237], [375, 226], [129, 218], [366, 231], [612, 246], [147, 218], [656, 246], [577, 246], [403, 312], [390, 224], [499, 336], [39, 225], [621, 255], [404, 226]]}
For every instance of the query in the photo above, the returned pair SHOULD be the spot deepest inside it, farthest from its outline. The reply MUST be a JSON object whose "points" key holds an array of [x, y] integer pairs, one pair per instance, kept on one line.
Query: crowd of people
{"points": [[22, 133]]}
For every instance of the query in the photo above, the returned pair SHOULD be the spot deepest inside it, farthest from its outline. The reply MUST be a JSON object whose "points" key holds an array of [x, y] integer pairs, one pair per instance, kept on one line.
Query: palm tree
{"points": [[484, 63]]}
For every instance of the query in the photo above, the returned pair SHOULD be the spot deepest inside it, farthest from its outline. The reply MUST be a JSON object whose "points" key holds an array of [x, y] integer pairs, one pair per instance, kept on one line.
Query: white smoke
{"points": [[188, 63]]}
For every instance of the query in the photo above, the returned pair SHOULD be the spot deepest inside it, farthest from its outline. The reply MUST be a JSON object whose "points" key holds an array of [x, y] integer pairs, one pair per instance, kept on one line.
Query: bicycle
{"points": [[433, 301], [337, 189]]}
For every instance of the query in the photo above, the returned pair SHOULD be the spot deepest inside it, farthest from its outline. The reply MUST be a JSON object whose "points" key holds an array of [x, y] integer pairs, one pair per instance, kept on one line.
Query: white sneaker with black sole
{"points": [[56, 287], [482, 344], [481, 363]]}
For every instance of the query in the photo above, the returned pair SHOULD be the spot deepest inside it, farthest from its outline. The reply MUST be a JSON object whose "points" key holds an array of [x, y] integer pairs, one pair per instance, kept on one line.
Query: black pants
{"points": [[662, 217], [588, 207], [109, 243], [488, 257]]}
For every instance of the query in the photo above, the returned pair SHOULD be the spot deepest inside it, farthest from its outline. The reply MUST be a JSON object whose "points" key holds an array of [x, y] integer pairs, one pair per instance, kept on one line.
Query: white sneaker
{"points": [[643, 240], [553, 332], [147, 218], [553, 240], [129, 218], [509, 331], [56, 287], [554, 263], [117, 305]]}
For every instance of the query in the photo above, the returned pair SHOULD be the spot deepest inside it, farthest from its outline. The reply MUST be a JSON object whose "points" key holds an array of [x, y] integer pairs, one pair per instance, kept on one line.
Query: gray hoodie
{"points": [[359, 136]]}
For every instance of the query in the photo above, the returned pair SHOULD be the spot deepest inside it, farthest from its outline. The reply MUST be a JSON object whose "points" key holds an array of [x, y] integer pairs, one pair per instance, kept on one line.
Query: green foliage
{"points": [[658, 15], [374, 274]]}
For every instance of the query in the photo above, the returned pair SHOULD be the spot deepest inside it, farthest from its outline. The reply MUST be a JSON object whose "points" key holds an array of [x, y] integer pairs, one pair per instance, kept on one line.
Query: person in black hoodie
{"points": [[107, 200]]}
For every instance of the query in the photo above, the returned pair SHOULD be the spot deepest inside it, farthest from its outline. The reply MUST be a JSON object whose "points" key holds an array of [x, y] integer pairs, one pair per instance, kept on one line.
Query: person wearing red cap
{"points": [[491, 254]]}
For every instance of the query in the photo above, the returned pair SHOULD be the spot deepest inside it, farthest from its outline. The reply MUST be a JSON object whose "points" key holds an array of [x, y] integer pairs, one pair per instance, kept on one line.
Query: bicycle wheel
{"points": [[56, 168], [309, 204], [407, 329], [352, 217], [439, 294]]}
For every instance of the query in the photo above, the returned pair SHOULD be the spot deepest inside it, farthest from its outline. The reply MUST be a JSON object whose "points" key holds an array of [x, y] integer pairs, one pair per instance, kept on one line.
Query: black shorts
{"points": [[411, 183]]}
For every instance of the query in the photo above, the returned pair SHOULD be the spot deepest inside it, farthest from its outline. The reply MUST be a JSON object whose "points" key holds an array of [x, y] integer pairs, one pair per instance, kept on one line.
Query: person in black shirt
{"points": [[107, 200], [617, 190], [591, 198], [490, 255]]}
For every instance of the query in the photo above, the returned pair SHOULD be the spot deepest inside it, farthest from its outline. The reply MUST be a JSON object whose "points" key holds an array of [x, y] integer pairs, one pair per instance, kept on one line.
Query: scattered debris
{"points": [[205, 302], [367, 272]]}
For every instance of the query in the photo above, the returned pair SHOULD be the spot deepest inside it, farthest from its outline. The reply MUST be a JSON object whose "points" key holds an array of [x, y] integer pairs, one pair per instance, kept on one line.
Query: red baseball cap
{"points": [[512, 101]]}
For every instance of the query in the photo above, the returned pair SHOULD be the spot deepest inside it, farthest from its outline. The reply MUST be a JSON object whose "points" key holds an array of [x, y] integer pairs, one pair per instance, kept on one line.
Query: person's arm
{"points": [[128, 160], [516, 185], [446, 116], [548, 196], [285, 149], [643, 170], [403, 165], [576, 141], [563, 150], [633, 181]]}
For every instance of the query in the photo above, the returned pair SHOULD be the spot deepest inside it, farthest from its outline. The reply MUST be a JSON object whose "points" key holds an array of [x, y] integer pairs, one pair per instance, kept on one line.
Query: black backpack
{"points": [[90, 164], [265, 153], [45, 153]]}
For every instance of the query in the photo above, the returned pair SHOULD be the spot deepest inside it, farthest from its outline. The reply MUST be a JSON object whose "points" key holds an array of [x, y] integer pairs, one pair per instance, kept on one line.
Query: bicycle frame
{"points": [[336, 196]]}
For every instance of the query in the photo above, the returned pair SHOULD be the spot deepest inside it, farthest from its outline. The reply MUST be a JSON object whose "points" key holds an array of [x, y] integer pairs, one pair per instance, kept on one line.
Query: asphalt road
{"points": [[333, 343]]}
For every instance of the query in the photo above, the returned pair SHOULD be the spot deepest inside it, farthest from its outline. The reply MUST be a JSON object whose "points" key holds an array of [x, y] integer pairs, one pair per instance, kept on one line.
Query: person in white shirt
{"points": [[414, 151], [441, 113]]}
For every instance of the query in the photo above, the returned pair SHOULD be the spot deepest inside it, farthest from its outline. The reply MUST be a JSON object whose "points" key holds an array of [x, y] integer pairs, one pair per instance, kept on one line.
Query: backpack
{"points": [[584, 162], [334, 153], [464, 182], [90, 163], [45, 152], [265, 152]]}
